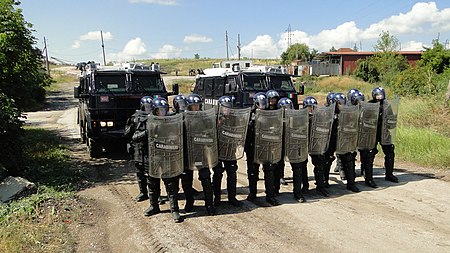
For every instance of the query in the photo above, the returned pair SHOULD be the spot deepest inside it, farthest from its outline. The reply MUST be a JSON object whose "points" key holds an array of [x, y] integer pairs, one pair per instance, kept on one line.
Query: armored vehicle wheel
{"points": [[95, 149]]}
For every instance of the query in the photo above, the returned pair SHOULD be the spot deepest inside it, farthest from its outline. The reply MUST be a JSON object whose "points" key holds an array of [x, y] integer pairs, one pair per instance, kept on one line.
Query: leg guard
{"points": [[304, 172], [252, 175], [205, 178], [269, 184], [186, 183], [318, 162], [367, 157], [172, 192], [297, 178], [142, 182], [217, 183], [277, 171], [154, 193], [231, 168], [389, 157]]}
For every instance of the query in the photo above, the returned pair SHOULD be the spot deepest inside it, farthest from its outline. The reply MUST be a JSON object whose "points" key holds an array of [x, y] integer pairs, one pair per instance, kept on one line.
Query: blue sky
{"points": [[143, 29]]}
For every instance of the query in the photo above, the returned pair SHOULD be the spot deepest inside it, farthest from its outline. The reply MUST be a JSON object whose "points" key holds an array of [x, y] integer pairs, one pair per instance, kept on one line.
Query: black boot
{"points": [[389, 157], [367, 157], [186, 183], [172, 189], [142, 183], [154, 192], [269, 184], [297, 180], [217, 183], [205, 179], [231, 188]]}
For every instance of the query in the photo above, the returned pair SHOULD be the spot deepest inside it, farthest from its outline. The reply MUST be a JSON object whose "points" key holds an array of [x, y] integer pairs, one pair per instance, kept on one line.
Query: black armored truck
{"points": [[109, 95], [242, 85]]}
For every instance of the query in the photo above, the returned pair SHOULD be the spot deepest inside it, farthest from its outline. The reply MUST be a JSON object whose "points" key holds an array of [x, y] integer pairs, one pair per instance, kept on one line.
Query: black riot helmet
{"points": [[378, 94], [340, 99], [357, 98], [225, 101], [192, 100], [179, 103], [351, 92], [309, 102], [160, 106], [285, 103], [146, 104], [272, 97], [330, 98], [260, 100]]}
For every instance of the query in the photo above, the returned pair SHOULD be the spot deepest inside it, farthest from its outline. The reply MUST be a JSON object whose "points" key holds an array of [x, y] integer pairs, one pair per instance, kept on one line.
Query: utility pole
{"points": [[226, 42], [103, 48], [239, 46], [46, 57]]}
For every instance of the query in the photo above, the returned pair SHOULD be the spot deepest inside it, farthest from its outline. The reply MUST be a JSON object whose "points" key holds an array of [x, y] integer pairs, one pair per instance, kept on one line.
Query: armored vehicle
{"points": [[242, 85], [108, 96]]}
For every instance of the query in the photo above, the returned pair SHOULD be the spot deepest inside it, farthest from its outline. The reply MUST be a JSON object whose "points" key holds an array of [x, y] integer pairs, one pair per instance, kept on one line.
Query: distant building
{"points": [[343, 61]]}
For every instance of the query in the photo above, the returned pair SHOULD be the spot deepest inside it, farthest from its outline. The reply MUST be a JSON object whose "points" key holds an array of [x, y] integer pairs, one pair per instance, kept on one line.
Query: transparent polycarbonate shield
{"points": [[320, 129], [389, 124], [268, 136], [368, 121], [232, 126], [165, 145], [296, 135], [347, 135], [201, 138]]}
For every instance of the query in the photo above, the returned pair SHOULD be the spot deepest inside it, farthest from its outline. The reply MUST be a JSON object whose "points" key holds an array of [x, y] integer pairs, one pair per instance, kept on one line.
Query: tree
{"points": [[196, 56], [296, 52], [22, 77], [333, 49], [437, 58], [387, 43]]}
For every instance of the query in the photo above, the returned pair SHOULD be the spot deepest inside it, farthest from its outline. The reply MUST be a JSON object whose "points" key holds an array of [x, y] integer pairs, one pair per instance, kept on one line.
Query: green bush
{"points": [[10, 136]]}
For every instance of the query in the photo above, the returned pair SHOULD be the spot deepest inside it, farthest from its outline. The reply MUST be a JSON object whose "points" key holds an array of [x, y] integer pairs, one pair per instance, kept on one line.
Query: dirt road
{"points": [[411, 216]]}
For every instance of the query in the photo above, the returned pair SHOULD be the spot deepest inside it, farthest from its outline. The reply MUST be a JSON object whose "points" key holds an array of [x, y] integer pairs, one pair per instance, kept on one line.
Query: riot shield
{"points": [[165, 145], [232, 126], [201, 138], [268, 136], [296, 135], [389, 124], [347, 134], [368, 121], [320, 129]]}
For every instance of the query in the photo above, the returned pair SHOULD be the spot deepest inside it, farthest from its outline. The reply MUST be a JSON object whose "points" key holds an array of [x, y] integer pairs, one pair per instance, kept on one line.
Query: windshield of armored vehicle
{"points": [[254, 82], [281, 83], [147, 82], [110, 83]]}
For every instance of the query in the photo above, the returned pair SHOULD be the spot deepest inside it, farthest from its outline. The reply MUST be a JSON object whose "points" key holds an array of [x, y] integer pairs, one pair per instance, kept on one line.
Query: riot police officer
{"points": [[317, 159], [379, 96], [230, 166], [136, 148], [179, 103], [194, 103], [260, 102], [347, 137], [160, 108], [298, 168]]}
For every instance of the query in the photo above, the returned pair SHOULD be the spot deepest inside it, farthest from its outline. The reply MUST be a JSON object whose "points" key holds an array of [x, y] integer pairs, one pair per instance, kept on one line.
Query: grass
{"points": [[38, 223]]}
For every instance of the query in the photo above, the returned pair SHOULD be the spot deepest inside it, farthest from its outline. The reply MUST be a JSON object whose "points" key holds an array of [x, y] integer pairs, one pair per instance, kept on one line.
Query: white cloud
{"points": [[167, 51], [135, 48], [160, 2], [195, 38], [412, 46], [262, 47], [95, 35]]}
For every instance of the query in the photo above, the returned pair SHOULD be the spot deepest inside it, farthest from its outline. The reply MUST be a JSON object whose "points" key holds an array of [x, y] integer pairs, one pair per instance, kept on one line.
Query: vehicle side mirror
{"points": [[227, 88], [76, 92], [175, 89], [301, 89]]}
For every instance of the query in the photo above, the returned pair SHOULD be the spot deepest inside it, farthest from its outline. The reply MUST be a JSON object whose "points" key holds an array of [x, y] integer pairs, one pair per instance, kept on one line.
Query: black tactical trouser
{"points": [[231, 168], [278, 173], [348, 166], [368, 156], [328, 161], [318, 161], [172, 189], [141, 175], [297, 176], [204, 175]]}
